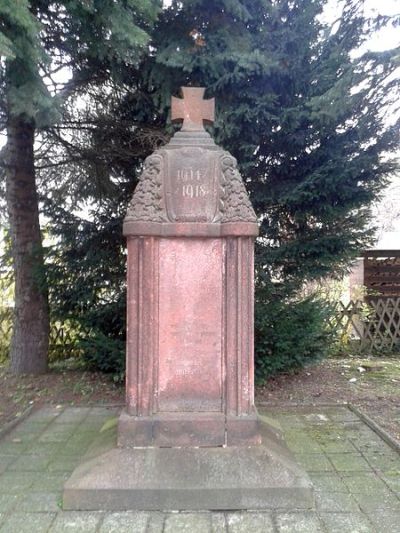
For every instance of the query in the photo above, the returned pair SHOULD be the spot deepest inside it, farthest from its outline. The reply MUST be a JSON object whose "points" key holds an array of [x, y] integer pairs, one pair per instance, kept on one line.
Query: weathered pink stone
{"points": [[190, 229], [190, 333]]}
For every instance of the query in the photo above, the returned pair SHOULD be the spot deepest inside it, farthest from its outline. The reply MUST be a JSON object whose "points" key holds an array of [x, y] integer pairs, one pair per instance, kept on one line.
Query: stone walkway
{"points": [[355, 474]]}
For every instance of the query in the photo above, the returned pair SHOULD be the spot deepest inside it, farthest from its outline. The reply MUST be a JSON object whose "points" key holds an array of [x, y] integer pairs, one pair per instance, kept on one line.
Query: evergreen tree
{"points": [[91, 39], [303, 112]]}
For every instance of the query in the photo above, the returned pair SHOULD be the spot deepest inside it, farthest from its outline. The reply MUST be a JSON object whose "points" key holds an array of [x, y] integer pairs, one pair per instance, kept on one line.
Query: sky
{"points": [[383, 40]]}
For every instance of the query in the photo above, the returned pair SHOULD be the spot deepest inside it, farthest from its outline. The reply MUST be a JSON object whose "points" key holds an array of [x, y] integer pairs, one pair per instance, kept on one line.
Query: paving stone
{"points": [[335, 502], [6, 460], [187, 523], [29, 463], [328, 483], [218, 523], [105, 412], [57, 433], [50, 481], [8, 501], [76, 522], [392, 479], [19, 436], [327, 434], [40, 501], [372, 445], [45, 414], [72, 415], [290, 421], [366, 483], [16, 482], [318, 419], [298, 522], [126, 522], [155, 523], [359, 433], [63, 463], [27, 523], [314, 462], [257, 522], [45, 448], [28, 426], [298, 434], [93, 423], [347, 523], [303, 445], [78, 443], [387, 520], [340, 445], [378, 500], [349, 462], [344, 415], [8, 447], [388, 460]]}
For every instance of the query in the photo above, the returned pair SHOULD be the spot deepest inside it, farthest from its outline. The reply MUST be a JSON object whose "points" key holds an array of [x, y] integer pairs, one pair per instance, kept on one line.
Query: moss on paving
{"points": [[356, 478]]}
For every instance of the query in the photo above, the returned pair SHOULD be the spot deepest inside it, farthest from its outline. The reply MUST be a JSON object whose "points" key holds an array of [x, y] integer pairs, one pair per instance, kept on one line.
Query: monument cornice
{"points": [[189, 229]]}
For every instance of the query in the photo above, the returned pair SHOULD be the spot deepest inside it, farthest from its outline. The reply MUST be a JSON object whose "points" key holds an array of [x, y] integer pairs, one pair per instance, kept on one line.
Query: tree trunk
{"points": [[30, 339]]}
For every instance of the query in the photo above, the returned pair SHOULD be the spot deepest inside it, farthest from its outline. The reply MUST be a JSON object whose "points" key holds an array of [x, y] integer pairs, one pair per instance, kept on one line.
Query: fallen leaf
{"points": [[111, 423]]}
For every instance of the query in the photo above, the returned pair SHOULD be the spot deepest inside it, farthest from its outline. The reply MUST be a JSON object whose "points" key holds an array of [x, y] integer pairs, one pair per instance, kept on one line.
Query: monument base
{"points": [[167, 430], [256, 477]]}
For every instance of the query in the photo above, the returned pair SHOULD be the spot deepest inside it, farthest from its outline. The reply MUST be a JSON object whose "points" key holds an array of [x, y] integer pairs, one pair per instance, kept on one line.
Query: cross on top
{"points": [[192, 109]]}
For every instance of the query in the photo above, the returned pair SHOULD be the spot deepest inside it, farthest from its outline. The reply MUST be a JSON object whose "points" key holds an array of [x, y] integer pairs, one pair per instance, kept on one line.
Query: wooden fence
{"points": [[374, 324], [382, 273]]}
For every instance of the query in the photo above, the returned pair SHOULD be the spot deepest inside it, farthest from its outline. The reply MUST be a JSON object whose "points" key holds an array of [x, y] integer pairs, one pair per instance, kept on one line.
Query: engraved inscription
{"points": [[191, 182], [185, 175], [194, 191], [190, 325], [192, 186], [193, 371]]}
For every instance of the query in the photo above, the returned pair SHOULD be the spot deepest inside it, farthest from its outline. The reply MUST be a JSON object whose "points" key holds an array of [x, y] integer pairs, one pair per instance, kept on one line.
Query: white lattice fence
{"points": [[375, 324]]}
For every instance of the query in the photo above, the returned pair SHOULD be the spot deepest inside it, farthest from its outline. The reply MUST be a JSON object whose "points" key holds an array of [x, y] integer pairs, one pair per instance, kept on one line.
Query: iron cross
{"points": [[192, 109]]}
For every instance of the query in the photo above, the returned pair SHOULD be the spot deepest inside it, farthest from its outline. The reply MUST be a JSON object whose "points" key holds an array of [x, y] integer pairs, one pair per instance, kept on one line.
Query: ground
{"points": [[355, 475], [369, 384]]}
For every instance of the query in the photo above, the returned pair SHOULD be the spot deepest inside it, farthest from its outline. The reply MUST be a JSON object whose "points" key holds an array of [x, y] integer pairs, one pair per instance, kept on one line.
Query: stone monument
{"points": [[190, 437]]}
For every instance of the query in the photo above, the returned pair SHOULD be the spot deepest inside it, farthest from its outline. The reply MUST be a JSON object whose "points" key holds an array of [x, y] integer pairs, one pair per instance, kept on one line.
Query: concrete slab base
{"points": [[257, 477]]}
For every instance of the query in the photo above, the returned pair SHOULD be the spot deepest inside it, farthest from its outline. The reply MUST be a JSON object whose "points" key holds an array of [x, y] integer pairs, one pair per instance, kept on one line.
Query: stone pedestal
{"points": [[190, 341], [190, 229]]}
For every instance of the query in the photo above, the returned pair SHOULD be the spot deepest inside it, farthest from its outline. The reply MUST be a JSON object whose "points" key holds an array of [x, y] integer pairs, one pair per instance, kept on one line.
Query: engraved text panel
{"points": [[190, 325]]}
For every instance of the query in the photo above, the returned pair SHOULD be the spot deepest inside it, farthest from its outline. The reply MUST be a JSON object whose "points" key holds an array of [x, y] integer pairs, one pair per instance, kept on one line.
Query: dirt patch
{"points": [[372, 385]]}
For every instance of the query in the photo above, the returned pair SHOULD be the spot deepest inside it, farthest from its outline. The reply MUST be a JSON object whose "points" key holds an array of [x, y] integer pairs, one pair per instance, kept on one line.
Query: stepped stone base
{"points": [[256, 477], [171, 430]]}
